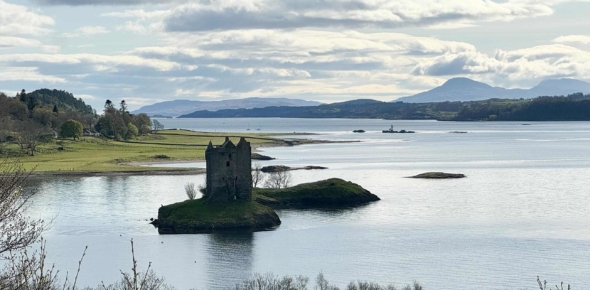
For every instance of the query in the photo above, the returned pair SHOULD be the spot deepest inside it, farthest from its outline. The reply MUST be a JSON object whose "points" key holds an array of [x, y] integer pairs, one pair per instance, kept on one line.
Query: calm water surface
{"points": [[523, 211]]}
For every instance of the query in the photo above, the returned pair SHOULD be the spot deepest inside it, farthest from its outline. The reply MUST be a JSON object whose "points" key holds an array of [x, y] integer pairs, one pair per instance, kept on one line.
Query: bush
{"points": [[161, 156], [190, 191]]}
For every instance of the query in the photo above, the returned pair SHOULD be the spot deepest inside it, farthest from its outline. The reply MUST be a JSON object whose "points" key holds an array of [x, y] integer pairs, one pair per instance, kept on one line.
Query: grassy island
{"points": [[439, 175], [333, 192], [196, 216]]}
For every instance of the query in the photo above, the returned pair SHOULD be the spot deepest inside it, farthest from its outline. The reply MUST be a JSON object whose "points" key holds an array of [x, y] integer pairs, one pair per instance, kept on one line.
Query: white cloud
{"points": [[131, 26], [17, 19], [11, 41], [582, 39], [512, 67], [27, 74], [107, 61], [86, 31]]}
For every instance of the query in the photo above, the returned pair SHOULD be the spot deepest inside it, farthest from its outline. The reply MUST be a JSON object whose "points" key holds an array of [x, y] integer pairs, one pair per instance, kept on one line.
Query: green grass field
{"points": [[102, 155]]}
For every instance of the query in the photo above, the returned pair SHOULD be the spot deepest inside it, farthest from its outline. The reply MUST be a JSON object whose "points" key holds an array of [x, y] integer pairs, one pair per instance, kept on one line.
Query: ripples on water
{"points": [[522, 211]]}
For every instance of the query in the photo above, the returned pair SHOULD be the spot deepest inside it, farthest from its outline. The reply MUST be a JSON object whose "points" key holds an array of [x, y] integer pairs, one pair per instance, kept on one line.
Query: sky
{"points": [[148, 51]]}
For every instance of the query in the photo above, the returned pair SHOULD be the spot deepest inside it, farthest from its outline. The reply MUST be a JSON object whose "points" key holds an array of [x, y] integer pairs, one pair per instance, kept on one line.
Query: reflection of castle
{"points": [[229, 171]]}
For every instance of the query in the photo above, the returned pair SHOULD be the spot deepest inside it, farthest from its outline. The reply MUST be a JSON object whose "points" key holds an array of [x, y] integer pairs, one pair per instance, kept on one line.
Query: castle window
{"points": [[230, 156], [227, 164]]}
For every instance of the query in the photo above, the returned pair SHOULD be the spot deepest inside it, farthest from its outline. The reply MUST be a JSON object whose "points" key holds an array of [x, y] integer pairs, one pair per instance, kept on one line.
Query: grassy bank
{"points": [[98, 155], [196, 216]]}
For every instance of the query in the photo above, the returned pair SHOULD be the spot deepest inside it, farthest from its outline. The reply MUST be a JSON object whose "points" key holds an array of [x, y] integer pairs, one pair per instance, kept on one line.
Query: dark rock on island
{"points": [[438, 175], [329, 193], [197, 216], [275, 168], [358, 131], [256, 156], [279, 168]]}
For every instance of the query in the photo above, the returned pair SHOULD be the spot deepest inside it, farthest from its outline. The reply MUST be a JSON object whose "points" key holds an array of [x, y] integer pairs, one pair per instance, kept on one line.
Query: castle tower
{"points": [[229, 171]]}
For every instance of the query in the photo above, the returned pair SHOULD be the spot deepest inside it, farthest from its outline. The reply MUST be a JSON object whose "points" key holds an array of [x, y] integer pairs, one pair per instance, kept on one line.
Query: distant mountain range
{"points": [[464, 89], [181, 107]]}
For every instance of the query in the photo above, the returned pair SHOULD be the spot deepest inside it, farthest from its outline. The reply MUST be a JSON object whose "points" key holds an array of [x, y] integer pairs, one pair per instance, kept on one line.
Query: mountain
{"points": [[464, 89], [181, 107]]}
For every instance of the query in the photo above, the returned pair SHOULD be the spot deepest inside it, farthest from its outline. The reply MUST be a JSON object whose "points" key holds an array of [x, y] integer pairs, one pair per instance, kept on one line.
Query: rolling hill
{"points": [[182, 107]]}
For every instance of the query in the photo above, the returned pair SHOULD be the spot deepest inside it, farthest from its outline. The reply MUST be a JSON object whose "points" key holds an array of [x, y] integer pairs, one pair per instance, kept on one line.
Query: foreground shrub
{"points": [[270, 281]]}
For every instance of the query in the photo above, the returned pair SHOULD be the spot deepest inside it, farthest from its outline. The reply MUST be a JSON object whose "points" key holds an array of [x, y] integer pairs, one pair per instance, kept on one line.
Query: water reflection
{"points": [[230, 257]]}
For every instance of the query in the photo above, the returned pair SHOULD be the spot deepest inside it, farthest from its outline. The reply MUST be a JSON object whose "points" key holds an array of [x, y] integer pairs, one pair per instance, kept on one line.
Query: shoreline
{"points": [[159, 171]]}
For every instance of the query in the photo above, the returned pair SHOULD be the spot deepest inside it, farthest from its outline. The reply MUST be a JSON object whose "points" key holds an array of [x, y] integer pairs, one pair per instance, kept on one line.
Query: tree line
{"points": [[28, 119], [119, 124]]}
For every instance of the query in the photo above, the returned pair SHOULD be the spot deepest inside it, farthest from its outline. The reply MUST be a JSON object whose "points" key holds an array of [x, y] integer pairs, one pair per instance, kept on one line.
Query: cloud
{"points": [[131, 26], [97, 61], [10, 41], [86, 31], [101, 2], [292, 14], [580, 39], [512, 67], [27, 74], [17, 20]]}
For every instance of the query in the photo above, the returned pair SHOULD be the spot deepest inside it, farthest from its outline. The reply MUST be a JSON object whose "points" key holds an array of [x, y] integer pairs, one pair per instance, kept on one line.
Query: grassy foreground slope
{"points": [[98, 155]]}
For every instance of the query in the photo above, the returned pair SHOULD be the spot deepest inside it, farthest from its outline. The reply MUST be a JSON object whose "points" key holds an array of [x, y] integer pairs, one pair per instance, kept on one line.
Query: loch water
{"points": [[522, 212]]}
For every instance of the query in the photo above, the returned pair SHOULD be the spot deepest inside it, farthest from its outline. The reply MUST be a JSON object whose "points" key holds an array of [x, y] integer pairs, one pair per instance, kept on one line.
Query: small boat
{"points": [[248, 128], [258, 129], [393, 131]]}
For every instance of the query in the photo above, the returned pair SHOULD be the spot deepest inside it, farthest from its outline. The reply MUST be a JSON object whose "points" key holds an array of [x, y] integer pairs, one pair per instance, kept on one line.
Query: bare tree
{"points": [[29, 133], [257, 175], [157, 125], [17, 231], [191, 192], [278, 179]]}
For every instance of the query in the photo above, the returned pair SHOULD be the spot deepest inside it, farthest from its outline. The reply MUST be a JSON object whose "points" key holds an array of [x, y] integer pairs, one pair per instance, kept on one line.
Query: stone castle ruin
{"points": [[229, 171]]}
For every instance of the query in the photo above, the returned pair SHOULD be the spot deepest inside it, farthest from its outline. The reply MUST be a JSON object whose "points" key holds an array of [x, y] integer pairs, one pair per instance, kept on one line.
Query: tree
{"points": [[108, 104], [23, 96], [71, 128], [143, 123], [16, 230], [28, 135], [257, 175], [157, 125], [123, 106], [131, 131], [278, 179], [55, 110]]}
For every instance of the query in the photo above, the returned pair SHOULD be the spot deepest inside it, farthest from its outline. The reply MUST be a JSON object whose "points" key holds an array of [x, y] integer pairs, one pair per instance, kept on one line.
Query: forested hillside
{"points": [[62, 99], [573, 107]]}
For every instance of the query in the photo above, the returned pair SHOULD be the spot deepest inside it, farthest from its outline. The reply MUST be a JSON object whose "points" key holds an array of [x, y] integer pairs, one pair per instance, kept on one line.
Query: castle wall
{"points": [[229, 173], [244, 170]]}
